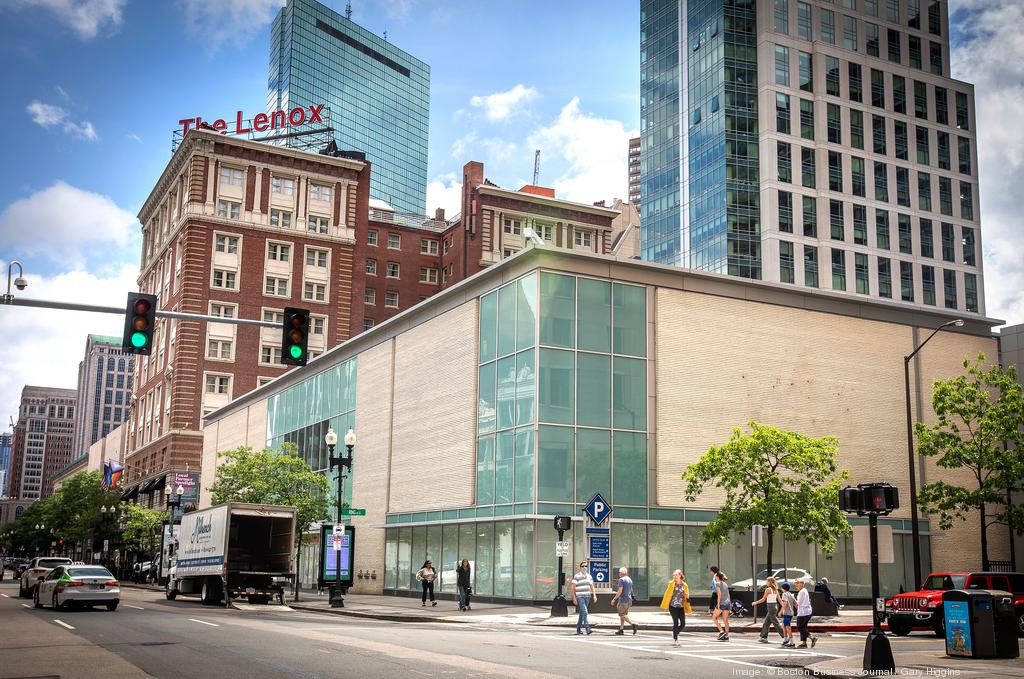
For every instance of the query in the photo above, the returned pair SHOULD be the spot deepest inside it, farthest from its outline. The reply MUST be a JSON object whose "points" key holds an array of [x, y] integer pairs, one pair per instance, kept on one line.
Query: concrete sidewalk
{"points": [[924, 664]]}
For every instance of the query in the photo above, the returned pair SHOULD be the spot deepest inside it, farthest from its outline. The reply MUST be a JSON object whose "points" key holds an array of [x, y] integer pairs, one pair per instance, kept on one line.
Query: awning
{"points": [[130, 493], [160, 483], [150, 485]]}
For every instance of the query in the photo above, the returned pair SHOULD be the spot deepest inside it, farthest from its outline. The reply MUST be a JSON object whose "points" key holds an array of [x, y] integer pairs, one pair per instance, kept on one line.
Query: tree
{"points": [[980, 419], [141, 528], [272, 477], [783, 480]]}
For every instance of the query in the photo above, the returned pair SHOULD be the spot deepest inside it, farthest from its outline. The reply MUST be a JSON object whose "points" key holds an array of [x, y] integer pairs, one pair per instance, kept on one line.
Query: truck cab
{"points": [[922, 609]]}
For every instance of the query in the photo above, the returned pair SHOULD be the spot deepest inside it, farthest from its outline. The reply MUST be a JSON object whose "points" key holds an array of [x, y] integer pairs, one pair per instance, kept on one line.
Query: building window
{"points": [[835, 219], [367, 323], [583, 239], [833, 124], [810, 216], [895, 49], [227, 209], [946, 196], [785, 162], [317, 224], [942, 144], [831, 76], [314, 292], [902, 186], [860, 273], [925, 232], [803, 21], [782, 65], [935, 57], [835, 171], [857, 176], [273, 285], [968, 243], [966, 200], [781, 16], [283, 185], [320, 192], [882, 229], [907, 281], [428, 275], [906, 240], [391, 299], [782, 116], [512, 226], [871, 33], [218, 384], [881, 182], [272, 316], [785, 212], [828, 26], [393, 270], [370, 296], [806, 68], [899, 94], [281, 219], [371, 237], [371, 267], [222, 310], [924, 191], [787, 269], [317, 258], [856, 81], [810, 266], [971, 292], [224, 279], [923, 156], [914, 51], [428, 247], [808, 168], [545, 231], [279, 252], [231, 176], [856, 129], [962, 117], [963, 154], [860, 225], [218, 349], [920, 100], [394, 241], [948, 240], [902, 144], [838, 270], [850, 33], [949, 287], [928, 285], [228, 244], [884, 277], [317, 324], [270, 355], [806, 119]]}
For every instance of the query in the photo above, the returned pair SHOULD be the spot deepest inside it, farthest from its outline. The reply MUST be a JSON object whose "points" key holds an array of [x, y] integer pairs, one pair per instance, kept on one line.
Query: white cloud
{"points": [[84, 17], [445, 191], [42, 346], [45, 115], [228, 21], [595, 149], [502, 105], [460, 146], [134, 137], [70, 226], [82, 130], [990, 54]]}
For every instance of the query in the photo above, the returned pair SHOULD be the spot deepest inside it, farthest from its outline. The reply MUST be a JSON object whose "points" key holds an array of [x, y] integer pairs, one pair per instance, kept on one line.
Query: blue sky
{"points": [[94, 89]]}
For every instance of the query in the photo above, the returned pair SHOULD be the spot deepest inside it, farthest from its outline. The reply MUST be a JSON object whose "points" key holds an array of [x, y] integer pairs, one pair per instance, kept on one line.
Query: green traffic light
{"points": [[138, 339], [295, 351]]}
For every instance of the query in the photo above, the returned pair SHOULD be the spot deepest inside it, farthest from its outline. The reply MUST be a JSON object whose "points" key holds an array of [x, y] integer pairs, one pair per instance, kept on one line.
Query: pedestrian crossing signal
{"points": [[295, 336], [139, 323]]}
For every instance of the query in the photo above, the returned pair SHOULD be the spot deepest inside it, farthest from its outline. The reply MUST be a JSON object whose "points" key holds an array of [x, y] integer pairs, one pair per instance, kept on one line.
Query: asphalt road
{"points": [[149, 636]]}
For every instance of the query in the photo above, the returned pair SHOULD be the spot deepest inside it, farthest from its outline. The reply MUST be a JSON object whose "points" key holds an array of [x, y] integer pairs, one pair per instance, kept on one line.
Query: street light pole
{"points": [[911, 457], [331, 439], [171, 506]]}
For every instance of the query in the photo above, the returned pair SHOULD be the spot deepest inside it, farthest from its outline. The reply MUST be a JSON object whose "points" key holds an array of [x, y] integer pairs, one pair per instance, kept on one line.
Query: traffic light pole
{"points": [[119, 310]]}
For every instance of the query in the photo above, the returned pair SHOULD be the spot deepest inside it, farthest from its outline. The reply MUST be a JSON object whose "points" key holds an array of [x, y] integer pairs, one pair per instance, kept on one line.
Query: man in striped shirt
{"points": [[583, 592]]}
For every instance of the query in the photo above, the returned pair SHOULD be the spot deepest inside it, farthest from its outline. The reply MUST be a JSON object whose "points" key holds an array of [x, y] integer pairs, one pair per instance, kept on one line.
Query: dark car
{"points": [[923, 609], [20, 567]]}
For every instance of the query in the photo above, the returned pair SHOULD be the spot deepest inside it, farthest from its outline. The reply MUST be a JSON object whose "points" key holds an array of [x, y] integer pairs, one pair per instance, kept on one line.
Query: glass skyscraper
{"points": [[815, 143], [378, 94]]}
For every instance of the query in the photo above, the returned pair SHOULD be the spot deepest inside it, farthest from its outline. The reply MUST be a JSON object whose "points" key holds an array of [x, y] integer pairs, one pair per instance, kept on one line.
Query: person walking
{"points": [[713, 604], [724, 604], [770, 598], [624, 597], [822, 586], [583, 593], [677, 600], [803, 614], [426, 577], [463, 579], [788, 613]]}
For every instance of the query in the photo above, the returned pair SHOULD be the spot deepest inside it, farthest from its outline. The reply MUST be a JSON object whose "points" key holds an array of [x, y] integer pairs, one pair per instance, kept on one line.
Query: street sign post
{"points": [[559, 607], [348, 511], [562, 549], [862, 545]]}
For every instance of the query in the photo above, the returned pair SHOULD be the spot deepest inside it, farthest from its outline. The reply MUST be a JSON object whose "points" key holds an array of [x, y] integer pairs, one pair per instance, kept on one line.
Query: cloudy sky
{"points": [[94, 89]]}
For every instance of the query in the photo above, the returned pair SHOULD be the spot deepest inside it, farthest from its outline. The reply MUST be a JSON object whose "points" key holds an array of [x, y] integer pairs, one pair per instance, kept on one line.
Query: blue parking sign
{"points": [[599, 572], [598, 509]]}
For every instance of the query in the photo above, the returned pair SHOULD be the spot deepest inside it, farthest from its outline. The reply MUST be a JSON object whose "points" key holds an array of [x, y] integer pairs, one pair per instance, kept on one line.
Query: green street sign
{"points": [[346, 511]]}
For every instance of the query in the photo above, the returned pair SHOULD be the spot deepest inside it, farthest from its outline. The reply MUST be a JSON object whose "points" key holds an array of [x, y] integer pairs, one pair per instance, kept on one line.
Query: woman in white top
{"points": [[770, 598]]}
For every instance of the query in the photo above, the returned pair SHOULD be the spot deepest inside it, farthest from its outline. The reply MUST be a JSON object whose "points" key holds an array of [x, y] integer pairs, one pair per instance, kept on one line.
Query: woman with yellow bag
{"points": [[677, 601]]}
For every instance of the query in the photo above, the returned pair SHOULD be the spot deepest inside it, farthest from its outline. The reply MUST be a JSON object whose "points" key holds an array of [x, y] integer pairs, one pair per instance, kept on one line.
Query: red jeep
{"points": [[923, 609]]}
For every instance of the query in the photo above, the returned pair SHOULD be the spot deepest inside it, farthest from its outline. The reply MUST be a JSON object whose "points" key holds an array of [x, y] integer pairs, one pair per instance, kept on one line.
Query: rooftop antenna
{"points": [[348, 11], [536, 167], [385, 35]]}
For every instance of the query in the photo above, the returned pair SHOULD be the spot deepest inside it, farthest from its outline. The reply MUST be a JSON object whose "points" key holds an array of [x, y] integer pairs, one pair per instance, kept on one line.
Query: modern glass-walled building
{"points": [[517, 394]]}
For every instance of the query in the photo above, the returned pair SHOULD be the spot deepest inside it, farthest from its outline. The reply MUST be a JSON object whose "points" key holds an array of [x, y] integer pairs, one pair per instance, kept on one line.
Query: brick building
{"points": [[42, 444]]}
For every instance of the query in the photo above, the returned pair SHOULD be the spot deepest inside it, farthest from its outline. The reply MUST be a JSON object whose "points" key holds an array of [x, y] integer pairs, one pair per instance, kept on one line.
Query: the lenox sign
{"points": [[261, 122], [202, 530]]}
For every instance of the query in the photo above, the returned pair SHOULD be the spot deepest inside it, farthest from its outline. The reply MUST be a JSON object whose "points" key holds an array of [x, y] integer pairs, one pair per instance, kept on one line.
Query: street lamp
{"points": [[107, 518], [331, 439], [172, 504], [915, 531]]}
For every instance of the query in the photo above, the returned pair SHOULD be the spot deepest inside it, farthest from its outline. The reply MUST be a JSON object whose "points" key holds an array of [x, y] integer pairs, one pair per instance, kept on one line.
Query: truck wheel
{"points": [[169, 591], [204, 593], [1020, 622], [899, 628]]}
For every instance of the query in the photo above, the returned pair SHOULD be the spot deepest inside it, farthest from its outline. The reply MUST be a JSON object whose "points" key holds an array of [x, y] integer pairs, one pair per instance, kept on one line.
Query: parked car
{"points": [[37, 568], [76, 585], [922, 609], [790, 574], [20, 566]]}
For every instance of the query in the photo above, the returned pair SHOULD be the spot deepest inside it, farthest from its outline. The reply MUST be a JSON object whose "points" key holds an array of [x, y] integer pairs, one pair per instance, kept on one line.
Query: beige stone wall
{"points": [[721, 362], [245, 427], [370, 461], [433, 435]]}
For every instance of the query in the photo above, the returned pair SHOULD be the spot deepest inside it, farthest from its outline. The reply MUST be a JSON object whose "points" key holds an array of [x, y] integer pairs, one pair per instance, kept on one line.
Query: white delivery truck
{"points": [[233, 550]]}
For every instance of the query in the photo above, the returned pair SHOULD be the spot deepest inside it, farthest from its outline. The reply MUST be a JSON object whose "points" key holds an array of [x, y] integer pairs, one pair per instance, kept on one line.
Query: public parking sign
{"points": [[599, 572], [598, 509]]}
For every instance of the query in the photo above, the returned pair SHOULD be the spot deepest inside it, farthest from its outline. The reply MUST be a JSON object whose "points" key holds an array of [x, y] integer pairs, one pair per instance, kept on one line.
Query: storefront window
{"points": [[547, 562], [523, 559], [833, 567], [467, 547], [449, 557], [697, 562], [629, 549], [391, 558], [734, 559], [404, 571], [664, 555], [484, 580], [503, 538]]}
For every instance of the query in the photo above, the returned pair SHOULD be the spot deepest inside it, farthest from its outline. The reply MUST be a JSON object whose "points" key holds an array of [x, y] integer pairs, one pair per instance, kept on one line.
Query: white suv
{"points": [[36, 570]]}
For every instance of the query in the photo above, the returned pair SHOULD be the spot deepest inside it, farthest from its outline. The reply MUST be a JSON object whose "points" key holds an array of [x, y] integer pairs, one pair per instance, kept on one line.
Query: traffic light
{"points": [[869, 498], [139, 322], [295, 336]]}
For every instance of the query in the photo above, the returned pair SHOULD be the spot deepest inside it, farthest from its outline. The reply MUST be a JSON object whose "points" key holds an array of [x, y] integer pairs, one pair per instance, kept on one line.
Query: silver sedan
{"points": [[78, 585]]}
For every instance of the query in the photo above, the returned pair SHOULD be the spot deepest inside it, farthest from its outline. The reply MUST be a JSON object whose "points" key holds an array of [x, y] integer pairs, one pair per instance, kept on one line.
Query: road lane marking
{"points": [[140, 608], [63, 624], [203, 622], [26, 606], [5, 596]]}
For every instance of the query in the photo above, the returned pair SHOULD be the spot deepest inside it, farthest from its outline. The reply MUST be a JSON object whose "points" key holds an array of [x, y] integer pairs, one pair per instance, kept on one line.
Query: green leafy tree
{"points": [[783, 480], [272, 477], [980, 417], [141, 528], [72, 512]]}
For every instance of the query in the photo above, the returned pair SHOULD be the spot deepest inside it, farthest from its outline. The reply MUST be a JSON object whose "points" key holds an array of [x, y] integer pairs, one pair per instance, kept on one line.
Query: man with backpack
{"points": [[623, 599]]}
